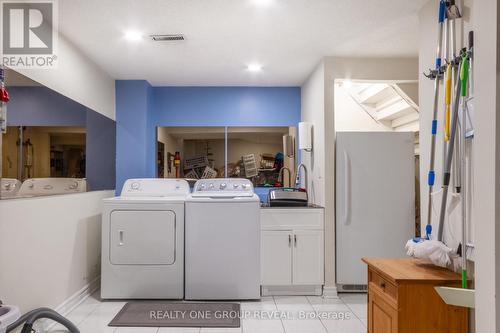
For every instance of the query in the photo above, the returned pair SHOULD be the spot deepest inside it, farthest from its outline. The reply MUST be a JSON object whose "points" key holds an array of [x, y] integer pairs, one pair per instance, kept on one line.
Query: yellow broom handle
{"points": [[448, 103]]}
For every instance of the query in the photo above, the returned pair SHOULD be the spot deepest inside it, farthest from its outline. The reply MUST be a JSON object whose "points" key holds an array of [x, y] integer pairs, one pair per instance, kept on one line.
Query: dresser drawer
{"points": [[383, 285]]}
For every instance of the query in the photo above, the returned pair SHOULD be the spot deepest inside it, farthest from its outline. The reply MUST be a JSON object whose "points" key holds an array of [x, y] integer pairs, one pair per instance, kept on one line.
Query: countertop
{"points": [[311, 206], [411, 269]]}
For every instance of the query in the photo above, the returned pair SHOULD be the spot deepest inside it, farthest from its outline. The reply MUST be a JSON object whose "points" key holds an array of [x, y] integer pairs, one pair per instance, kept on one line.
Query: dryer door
{"points": [[142, 237]]}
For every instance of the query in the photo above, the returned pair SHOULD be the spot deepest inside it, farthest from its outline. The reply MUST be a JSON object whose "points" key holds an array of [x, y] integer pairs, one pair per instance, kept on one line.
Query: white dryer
{"points": [[143, 240], [222, 241], [33, 187]]}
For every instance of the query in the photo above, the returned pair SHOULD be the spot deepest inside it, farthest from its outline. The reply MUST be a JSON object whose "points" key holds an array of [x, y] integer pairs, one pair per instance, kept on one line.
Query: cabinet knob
{"points": [[289, 239]]}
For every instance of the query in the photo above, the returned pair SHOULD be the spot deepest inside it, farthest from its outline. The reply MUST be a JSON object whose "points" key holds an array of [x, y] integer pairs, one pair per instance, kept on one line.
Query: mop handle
{"points": [[441, 17], [464, 75], [448, 103], [442, 11]]}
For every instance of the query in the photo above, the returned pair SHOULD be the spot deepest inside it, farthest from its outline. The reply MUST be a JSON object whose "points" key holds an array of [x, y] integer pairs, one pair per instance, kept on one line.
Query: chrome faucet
{"points": [[297, 179], [280, 176]]}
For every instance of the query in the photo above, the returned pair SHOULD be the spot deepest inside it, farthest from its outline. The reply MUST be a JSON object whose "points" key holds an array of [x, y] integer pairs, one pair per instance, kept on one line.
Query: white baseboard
{"points": [[330, 292], [79, 297], [311, 290], [70, 304]]}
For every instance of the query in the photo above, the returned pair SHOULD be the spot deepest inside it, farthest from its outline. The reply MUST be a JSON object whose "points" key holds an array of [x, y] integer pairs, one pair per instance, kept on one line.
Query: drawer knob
{"points": [[382, 285]]}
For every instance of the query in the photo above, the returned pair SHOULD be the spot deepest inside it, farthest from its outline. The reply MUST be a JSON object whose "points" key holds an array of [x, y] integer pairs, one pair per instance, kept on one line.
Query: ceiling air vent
{"points": [[167, 38]]}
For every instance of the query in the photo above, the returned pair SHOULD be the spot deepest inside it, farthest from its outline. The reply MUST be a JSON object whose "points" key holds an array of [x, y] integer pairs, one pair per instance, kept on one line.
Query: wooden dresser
{"points": [[402, 299]]}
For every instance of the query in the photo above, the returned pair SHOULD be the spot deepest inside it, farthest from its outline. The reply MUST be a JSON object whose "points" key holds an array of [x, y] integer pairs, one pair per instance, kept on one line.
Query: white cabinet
{"points": [[276, 261], [308, 257], [292, 254]]}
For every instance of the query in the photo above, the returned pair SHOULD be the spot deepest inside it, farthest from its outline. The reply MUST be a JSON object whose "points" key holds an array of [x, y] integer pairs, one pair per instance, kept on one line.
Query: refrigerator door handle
{"points": [[347, 187]]}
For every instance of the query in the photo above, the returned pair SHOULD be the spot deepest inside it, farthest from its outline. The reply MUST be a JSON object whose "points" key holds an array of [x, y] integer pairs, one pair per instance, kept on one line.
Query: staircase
{"points": [[391, 104]]}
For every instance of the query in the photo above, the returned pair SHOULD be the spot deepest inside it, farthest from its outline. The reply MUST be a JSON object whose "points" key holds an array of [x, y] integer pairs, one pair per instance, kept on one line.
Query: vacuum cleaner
{"points": [[11, 319]]}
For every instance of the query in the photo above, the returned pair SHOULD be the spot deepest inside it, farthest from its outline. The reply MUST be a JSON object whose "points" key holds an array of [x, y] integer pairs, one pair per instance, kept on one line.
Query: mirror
{"points": [[256, 153], [191, 152], [259, 152], [52, 144]]}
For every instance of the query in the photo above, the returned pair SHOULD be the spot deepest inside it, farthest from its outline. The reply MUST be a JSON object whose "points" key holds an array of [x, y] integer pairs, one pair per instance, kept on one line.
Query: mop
{"points": [[460, 93], [427, 248], [435, 74], [464, 75], [435, 250], [453, 13]]}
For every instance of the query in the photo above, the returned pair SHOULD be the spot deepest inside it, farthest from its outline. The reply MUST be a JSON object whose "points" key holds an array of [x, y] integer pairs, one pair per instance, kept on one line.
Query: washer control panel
{"points": [[223, 186]]}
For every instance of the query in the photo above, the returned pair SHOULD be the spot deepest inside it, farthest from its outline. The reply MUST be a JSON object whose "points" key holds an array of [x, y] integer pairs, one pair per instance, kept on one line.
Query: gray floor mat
{"points": [[177, 314]]}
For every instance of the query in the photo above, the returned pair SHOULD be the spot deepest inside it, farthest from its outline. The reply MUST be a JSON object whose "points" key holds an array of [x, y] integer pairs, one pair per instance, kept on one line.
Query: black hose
{"points": [[42, 313], [21, 320]]}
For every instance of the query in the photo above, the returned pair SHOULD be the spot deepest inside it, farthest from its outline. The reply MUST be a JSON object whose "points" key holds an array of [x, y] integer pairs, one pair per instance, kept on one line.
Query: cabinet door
{"points": [[276, 258], [382, 318], [308, 257]]}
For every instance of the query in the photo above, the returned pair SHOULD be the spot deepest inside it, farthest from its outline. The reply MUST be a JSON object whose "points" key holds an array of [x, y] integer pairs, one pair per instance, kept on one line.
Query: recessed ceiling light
{"points": [[132, 35], [254, 67]]}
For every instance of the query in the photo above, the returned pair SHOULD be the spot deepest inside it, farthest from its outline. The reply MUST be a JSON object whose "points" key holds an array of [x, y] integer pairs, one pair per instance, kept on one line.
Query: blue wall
{"points": [[140, 108], [100, 167], [133, 100], [226, 106], [41, 106]]}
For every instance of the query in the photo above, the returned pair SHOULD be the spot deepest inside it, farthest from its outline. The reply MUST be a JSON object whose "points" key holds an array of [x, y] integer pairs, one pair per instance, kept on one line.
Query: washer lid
{"points": [[254, 198]]}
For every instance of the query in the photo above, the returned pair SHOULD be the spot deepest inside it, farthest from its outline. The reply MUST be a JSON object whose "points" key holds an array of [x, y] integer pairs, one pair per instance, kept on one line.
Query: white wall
{"points": [[482, 17], [318, 107], [49, 247], [312, 110], [78, 78], [351, 117], [485, 14]]}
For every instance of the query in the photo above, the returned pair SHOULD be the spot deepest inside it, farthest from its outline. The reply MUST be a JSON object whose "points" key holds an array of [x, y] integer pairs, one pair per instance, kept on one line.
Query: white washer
{"points": [[9, 187], [143, 240], [222, 241]]}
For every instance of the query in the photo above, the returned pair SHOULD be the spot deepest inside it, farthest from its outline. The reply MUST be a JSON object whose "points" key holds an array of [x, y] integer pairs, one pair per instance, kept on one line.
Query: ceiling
{"points": [[287, 37]]}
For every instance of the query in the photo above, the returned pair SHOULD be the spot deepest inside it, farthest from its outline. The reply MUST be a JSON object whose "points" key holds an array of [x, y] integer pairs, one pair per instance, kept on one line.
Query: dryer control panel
{"points": [[223, 187], [155, 187]]}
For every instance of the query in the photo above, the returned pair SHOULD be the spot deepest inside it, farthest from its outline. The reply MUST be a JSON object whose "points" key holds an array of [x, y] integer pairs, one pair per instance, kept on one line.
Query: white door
{"points": [[142, 237], [375, 199], [308, 257], [276, 258]]}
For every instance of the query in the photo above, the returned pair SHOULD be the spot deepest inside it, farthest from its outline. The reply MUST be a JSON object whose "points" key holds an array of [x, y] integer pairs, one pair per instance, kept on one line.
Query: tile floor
{"points": [[344, 315]]}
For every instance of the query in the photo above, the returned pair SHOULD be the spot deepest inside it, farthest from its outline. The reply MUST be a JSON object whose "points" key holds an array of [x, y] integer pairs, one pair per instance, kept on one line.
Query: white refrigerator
{"points": [[375, 201]]}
